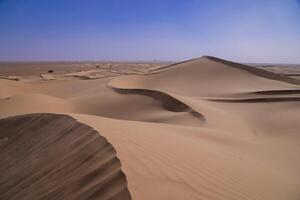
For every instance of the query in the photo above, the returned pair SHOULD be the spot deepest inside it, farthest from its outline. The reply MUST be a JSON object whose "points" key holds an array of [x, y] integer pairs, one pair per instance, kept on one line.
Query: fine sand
{"points": [[49, 156], [206, 128]]}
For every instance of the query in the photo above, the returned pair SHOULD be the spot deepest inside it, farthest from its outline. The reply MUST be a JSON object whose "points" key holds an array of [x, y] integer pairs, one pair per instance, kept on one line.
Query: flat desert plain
{"points": [[205, 128]]}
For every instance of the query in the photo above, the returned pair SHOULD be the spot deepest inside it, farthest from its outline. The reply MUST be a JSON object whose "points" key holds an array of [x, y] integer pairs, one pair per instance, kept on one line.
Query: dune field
{"points": [[205, 128]]}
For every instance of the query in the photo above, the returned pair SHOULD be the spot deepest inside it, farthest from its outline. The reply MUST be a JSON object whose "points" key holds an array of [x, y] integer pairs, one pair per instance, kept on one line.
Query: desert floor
{"points": [[206, 128]]}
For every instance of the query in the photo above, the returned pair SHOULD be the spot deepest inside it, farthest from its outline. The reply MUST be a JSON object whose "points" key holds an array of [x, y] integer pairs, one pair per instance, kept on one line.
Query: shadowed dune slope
{"points": [[254, 100], [50, 156], [256, 71], [167, 101]]}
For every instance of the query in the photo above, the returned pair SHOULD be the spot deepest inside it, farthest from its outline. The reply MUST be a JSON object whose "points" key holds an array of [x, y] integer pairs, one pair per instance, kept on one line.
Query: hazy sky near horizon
{"points": [[239, 30]]}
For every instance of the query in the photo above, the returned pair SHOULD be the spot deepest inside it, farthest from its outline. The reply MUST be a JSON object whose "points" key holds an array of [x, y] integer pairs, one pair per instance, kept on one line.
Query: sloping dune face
{"points": [[50, 156], [253, 115], [205, 77]]}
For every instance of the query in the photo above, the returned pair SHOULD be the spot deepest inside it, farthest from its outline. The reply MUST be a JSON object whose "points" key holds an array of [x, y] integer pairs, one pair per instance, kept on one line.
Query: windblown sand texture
{"points": [[206, 128], [49, 156]]}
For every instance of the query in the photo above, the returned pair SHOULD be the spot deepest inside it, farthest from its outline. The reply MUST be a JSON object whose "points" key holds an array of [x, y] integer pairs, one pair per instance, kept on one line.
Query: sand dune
{"points": [[168, 102], [110, 104], [206, 128], [14, 78], [199, 163], [52, 156], [47, 77], [202, 77]]}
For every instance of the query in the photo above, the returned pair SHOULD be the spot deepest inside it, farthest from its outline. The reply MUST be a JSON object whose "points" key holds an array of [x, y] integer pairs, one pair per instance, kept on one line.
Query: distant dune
{"points": [[207, 76], [205, 128]]}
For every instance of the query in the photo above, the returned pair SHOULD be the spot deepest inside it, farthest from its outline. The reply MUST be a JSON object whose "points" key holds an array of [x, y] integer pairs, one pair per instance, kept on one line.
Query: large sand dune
{"points": [[201, 129], [48, 156], [204, 77]]}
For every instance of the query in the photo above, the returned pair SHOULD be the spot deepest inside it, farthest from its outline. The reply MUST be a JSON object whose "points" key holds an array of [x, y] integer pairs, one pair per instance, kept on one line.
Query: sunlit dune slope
{"points": [[203, 77]]}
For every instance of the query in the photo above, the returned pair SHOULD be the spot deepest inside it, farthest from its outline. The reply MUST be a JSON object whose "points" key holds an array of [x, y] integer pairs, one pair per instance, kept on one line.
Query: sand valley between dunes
{"points": [[205, 128]]}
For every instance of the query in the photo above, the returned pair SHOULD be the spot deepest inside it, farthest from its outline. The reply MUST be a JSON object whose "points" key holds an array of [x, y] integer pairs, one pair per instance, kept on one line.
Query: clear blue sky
{"points": [[240, 30]]}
